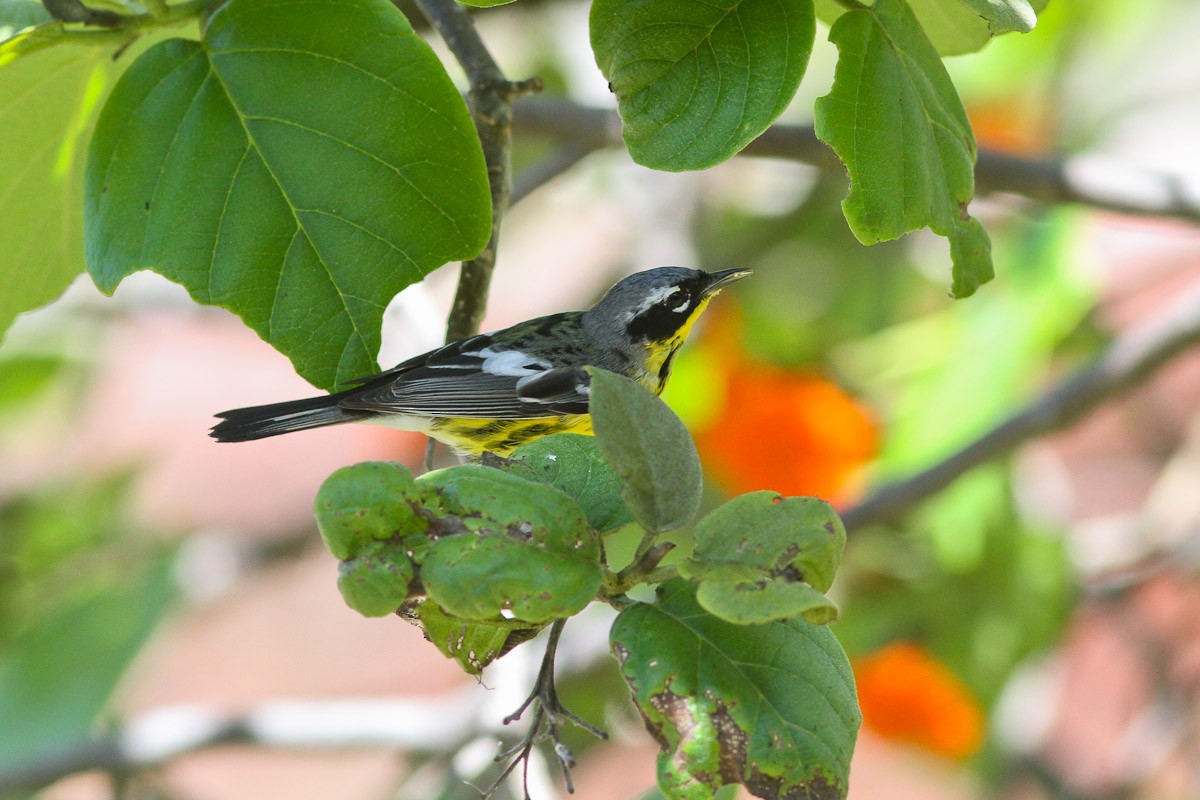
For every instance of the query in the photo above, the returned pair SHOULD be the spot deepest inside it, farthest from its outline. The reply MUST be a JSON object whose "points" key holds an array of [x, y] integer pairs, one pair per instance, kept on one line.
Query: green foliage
{"points": [[649, 449], [78, 599], [329, 181], [483, 557], [697, 82], [895, 119], [762, 557], [769, 706]]}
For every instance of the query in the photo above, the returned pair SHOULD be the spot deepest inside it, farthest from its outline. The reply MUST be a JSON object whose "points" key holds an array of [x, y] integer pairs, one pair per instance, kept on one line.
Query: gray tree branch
{"points": [[1126, 363], [490, 99], [1103, 184]]}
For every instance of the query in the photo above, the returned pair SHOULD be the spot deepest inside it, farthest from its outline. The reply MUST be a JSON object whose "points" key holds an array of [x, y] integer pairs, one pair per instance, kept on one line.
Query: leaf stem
{"points": [[490, 99]]}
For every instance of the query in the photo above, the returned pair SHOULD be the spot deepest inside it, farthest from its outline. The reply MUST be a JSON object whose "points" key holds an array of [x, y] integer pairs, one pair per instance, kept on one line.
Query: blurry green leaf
{"points": [[697, 82], [955, 27], [50, 99], [572, 464], [472, 643], [17, 15], [649, 449], [896, 122], [768, 706], [365, 502], [526, 548], [339, 166], [24, 377], [57, 675], [376, 580]]}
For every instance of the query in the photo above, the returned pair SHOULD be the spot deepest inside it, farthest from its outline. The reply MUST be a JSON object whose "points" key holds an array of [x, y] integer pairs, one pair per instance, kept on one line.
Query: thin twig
{"points": [[1125, 364], [1102, 184], [549, 168], [490, 99]]}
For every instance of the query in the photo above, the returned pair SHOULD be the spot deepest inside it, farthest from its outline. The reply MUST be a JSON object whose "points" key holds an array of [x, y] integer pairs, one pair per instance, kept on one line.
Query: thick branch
{"points": [[490, 99], [1101, 184], [1125, 364]]}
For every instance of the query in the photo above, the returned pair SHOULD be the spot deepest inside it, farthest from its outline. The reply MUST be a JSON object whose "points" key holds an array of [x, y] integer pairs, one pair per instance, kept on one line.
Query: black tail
{"points": [[259, 422]]}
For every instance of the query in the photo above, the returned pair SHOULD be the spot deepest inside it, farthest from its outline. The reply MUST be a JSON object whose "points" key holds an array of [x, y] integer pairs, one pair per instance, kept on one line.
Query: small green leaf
{"points": [[768, 706], [525, 547], [650, 450], [1003, 16], [953, 27], [472, 643], [572, 464], [896, 122], [339, 166], [366, 502], [697, 82], [762, 557], [376, 581]]}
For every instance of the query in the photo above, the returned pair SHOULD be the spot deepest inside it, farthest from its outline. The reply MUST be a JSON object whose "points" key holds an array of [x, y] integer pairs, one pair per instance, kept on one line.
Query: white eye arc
{"points": [[684, 306]]}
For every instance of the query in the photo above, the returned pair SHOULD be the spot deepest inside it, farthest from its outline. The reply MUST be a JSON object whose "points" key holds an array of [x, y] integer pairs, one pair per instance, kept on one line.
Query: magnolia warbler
{"points": [[493, 392]]}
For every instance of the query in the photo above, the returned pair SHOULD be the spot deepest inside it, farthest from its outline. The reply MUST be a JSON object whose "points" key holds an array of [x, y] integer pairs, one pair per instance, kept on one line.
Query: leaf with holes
{"points": [[697, 82], [897, 123], [299, 166], [762, 557], [770, 706]]}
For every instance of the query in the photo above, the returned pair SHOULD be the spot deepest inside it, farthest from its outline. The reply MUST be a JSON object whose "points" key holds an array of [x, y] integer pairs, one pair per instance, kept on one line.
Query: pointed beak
{"points": [[719, 280]]}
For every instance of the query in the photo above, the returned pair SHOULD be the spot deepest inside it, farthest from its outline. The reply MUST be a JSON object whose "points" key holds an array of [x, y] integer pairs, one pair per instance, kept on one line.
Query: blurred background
{"points": [[1030, 631]]}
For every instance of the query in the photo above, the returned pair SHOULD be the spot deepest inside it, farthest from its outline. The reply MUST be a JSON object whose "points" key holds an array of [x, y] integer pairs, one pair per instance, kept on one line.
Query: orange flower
{"points": [[795, 432], [908, 696]]}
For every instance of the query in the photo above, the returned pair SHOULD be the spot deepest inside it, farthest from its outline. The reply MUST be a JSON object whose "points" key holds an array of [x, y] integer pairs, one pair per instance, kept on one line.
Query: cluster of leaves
{"points": [[731, 667], [340, 163]]}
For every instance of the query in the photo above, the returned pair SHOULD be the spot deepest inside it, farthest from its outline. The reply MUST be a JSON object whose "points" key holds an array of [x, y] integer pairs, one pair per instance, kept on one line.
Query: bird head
{"points": [[661, 304]]}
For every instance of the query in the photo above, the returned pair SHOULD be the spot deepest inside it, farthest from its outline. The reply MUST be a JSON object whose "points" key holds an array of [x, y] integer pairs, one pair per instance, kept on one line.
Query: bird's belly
{"points": [[474, 437]]}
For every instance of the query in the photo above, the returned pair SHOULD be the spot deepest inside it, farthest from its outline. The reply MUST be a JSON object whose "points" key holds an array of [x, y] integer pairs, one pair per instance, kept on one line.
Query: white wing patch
{"points": [[510, 363]]}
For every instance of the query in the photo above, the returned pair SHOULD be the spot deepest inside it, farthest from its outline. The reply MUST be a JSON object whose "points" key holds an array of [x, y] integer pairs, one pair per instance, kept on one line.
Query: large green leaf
{"points": [[650, 450], [48, 102], [696, 82], [769, 706], [299, 166], [896, 121]]}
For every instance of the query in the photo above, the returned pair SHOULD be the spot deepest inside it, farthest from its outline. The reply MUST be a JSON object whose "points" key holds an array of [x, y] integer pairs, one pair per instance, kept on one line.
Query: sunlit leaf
{"points": [[339, 166]]}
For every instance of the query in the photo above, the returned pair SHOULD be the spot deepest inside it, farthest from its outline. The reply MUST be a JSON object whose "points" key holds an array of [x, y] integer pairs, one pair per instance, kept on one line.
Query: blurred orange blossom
{"points": [[907, 695]]}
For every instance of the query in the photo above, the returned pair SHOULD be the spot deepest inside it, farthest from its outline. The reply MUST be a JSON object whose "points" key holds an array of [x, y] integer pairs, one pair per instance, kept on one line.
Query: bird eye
{"points": [[684, 306]]}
